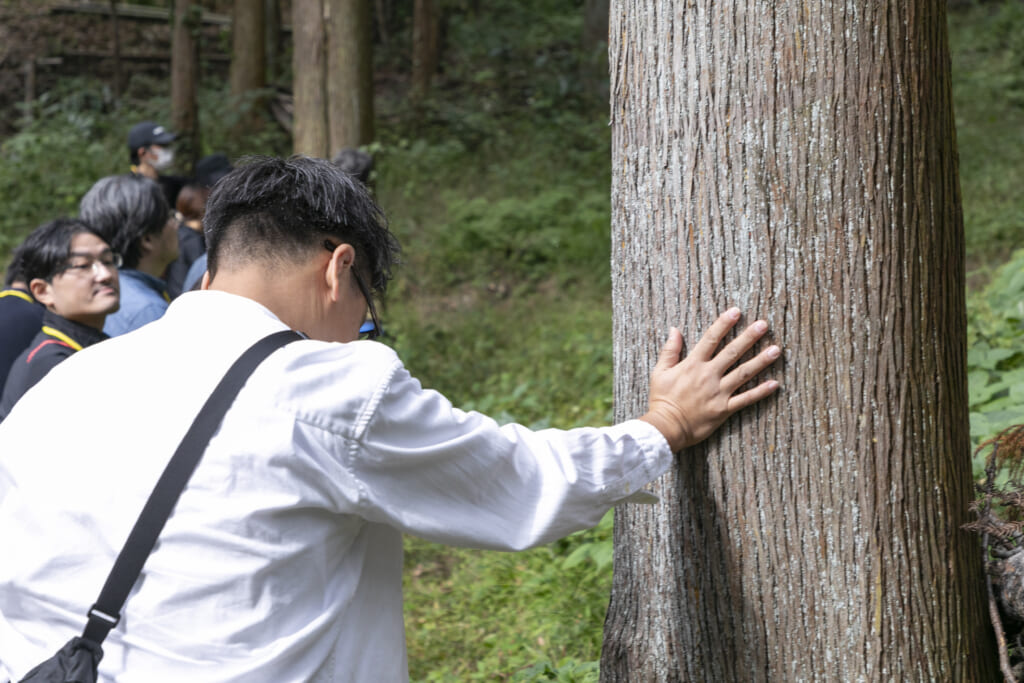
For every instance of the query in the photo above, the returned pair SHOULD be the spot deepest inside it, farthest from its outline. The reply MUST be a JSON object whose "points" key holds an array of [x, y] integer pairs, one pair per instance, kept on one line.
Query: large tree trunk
{"points": [[248, 61], [350, 73], [309, 82], [185, 82], [426, 29], [797, 160]]}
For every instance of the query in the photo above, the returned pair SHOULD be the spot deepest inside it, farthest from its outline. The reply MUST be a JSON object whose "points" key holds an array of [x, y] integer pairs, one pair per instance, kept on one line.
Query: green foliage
{"points": [[48, 166], [988, 78], [489, 616], [76, 135], [987, 42], [995, 361]]}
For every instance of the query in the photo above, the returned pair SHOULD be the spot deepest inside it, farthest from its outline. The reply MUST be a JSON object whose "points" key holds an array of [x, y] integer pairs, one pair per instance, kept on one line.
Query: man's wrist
{"points": [[669, 429]]}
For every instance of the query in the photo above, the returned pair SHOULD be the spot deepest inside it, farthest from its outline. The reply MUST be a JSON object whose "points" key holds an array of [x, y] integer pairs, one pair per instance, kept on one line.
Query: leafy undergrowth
{"points": [[988, 78], [490, 616], [995, 360]]}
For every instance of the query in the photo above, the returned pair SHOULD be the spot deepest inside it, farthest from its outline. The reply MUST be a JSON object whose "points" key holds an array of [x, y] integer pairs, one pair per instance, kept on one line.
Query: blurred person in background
{"points": [[20, 315], [356, 163], [131, 213], [191, 244], [150, 153], [209, 170], [72, 272]]}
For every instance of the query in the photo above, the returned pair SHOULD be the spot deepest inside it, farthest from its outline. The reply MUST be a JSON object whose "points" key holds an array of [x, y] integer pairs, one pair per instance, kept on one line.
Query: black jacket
{"points": [[58, 339], [20, 318]]}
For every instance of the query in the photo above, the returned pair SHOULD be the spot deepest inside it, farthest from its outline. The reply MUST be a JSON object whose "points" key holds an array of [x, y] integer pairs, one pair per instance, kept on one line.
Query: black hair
{"points": [[273, 209], [15, 269], [47, 248], [124, 209], [355, 162]]}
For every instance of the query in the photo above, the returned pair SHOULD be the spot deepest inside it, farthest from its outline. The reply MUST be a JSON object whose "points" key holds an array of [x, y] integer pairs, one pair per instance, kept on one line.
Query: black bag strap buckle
{"points": [[96, 613], [99, 625]]}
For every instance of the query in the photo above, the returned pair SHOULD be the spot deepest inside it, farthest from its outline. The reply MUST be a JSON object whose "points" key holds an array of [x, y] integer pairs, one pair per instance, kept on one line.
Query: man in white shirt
{"points": [[282, 560]]}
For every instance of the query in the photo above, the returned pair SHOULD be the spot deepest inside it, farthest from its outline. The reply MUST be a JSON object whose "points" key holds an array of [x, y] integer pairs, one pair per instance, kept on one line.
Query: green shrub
{"points": [[995, 359]]}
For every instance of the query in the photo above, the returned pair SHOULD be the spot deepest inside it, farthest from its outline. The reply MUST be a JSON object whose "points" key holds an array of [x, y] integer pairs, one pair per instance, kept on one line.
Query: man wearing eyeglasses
{"points": [[73, 273], [282, 560]]}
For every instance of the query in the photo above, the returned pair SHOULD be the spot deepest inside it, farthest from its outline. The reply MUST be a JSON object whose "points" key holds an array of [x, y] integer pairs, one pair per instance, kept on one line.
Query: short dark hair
{"points": [[124, 209], [47, 248], [355, 162], [191, 202], [15, 268], [273, 209]]}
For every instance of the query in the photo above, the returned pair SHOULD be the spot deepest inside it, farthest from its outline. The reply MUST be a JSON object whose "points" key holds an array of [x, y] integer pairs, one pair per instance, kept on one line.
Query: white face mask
{"points": [[164, 157]]}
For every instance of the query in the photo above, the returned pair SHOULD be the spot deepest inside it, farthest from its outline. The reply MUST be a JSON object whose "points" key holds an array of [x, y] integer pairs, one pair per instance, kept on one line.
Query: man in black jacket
{"points": [[72, 271], [20, 316]]}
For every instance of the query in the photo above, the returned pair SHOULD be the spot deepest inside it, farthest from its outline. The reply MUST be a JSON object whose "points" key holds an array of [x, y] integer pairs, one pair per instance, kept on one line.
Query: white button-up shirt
{"points": [[283, 558]]}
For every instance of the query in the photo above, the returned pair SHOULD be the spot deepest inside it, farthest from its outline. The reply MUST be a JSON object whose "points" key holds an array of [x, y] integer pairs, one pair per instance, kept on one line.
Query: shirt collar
{"points": [[154, 283], [80, 334]]}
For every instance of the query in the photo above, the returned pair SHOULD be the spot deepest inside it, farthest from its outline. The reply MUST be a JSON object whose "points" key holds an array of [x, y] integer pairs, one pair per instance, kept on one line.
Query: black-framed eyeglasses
{"points": [[88, 265], [376, 330]]}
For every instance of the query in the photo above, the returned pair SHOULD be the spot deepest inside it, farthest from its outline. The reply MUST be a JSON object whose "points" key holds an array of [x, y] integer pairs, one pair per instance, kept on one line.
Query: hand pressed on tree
{"points": [[691, 397]]}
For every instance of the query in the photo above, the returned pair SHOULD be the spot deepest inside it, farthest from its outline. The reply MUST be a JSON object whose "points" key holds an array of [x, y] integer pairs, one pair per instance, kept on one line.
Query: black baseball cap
{"points": [[149, 133], [212, 168]]}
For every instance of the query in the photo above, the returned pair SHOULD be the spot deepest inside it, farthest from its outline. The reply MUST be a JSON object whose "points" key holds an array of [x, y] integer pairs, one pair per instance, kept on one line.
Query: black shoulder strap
{"points": [[105, 614]]}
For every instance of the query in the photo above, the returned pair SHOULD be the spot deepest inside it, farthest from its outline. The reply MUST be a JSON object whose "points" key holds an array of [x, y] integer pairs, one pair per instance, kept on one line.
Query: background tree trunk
{"points": [[272, 39], [309, 68], [185, 83], [799, 161], [248, 61], [118, 79], [350, 73], [426, 28]]}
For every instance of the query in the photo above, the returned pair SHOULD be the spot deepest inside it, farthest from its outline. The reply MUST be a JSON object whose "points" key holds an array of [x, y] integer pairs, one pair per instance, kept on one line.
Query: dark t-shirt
{"points": [[20, 320], [191, 245]]}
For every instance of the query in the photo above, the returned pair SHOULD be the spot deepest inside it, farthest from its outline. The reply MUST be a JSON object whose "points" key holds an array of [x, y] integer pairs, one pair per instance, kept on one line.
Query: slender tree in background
{"points": [[185, 81], [333, 77], [426, 30], [797, 160], [272, 39], [309, 78], [349, 73], [116, 30], [248, 60]]}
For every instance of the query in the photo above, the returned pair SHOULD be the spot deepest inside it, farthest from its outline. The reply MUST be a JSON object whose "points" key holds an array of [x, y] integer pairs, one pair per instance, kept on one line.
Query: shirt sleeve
{"points": [[456, 477]]}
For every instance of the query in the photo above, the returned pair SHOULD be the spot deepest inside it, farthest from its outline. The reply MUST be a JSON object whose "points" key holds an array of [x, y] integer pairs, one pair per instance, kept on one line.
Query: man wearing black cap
{"points": [[150, 152]]}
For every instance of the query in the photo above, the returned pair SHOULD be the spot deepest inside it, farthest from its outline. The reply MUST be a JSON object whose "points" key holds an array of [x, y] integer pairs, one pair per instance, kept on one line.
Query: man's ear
{"points": [[146, 243], [42, 291], [336, 273]]}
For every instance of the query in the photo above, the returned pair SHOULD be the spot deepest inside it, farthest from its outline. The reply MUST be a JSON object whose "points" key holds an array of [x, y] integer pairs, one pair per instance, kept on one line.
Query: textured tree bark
{"points": [[185, 82], [309, 82], [350, 73], [426, 28], [248, 61], [797, 160]]}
